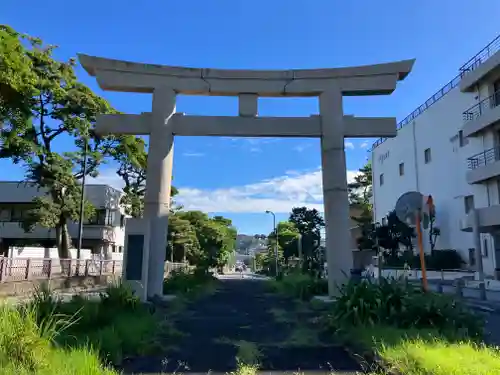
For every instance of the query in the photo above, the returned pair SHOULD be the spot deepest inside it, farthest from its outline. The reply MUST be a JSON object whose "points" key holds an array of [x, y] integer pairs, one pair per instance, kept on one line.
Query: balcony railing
{"points": [[484, 158], [483, 106], [481, 56]]}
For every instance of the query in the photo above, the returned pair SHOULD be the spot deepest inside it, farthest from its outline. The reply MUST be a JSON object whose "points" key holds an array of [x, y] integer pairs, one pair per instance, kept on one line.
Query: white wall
{"points": [[444, 177]]}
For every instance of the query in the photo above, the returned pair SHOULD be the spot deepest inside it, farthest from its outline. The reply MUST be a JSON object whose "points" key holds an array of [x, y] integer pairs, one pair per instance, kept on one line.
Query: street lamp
{"points": [[82, 204], [276, 246]]}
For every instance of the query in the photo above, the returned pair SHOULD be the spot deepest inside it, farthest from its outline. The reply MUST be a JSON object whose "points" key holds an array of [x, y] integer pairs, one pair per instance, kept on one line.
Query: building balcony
{"points": [[481, 67], [483, 166], [482, 115], [489, 220], [13, 230]]}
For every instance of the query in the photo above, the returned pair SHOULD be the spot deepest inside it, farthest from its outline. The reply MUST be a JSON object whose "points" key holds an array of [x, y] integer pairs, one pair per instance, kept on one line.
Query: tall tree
{"points": [[132, 159], [360, 198], [309, 224], [17, 78], [57, 110], [361, 189]]}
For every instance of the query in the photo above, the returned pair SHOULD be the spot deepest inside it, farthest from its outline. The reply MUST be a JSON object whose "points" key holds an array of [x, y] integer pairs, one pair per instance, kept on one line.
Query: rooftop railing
{"points": [[473, 63], [421, 109], [483, 55]]}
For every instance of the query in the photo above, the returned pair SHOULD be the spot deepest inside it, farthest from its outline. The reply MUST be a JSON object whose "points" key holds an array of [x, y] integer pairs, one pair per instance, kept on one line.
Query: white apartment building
{"points": [[104, 234], [449, 147]]}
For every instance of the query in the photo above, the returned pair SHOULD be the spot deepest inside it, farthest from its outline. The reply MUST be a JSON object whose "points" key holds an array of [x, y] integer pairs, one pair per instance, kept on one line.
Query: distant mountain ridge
{"points": [[245, 242]]}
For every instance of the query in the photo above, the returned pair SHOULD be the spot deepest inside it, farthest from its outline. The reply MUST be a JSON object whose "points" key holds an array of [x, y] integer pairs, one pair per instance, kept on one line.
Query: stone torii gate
{"points": [[162, 123]]}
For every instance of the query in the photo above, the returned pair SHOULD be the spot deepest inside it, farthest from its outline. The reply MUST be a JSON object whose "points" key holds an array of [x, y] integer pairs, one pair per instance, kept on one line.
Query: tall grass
{"points": [[81, 336], [28, 346]]}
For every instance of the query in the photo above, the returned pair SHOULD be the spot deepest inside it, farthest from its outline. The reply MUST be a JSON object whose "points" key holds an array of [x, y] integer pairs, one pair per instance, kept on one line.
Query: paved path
{"points": [[241, 319]]}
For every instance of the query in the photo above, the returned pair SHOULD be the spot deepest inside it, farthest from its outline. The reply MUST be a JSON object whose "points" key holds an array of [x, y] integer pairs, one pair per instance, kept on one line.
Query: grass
{"points": [[28, 347], [81, 336], [189, 283], [427, 352]]}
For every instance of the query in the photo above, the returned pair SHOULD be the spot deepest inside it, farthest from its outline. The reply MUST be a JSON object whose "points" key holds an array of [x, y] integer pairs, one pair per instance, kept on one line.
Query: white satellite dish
{"points": [[408, 205]]}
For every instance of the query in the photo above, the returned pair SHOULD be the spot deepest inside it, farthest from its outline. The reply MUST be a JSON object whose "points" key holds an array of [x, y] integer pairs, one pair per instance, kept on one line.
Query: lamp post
{"points": [[376, 226], [82, 207], [276, 246]]}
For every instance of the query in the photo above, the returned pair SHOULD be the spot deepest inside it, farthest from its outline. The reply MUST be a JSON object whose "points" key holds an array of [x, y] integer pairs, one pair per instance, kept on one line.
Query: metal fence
{"points": [[19, 269]]}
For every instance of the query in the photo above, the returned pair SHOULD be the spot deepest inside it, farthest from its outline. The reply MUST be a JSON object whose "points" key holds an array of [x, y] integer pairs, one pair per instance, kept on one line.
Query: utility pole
{"points": [[276, 245], [82, 206]]}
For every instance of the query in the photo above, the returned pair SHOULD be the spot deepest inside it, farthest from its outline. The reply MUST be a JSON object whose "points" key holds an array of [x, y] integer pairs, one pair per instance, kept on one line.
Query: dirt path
{"points": [[242, 320]]}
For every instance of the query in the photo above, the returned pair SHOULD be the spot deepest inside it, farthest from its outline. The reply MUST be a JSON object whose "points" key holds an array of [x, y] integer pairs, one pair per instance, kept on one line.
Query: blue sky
{"points": [[241, 178]]}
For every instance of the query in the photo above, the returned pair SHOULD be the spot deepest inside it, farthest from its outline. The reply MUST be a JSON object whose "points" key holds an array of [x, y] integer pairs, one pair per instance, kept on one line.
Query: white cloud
{"points": [[278, 194], [364, 145], [193, 154], [348, 144]]}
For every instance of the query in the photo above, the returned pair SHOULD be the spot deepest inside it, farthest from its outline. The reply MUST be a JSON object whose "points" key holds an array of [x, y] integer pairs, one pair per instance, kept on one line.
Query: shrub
{"points": [[27, 346], [397, 303], [116, 323], [438, 260], [300, 285], [185, 281]]}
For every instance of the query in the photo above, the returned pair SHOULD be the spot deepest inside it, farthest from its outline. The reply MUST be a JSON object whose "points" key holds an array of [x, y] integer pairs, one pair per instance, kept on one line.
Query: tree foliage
{"points": [[48, 120], [309, 224]]}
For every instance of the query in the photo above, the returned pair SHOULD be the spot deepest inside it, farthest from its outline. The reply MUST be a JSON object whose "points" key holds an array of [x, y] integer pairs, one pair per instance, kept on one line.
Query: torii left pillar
{"points": [[158, 184]]}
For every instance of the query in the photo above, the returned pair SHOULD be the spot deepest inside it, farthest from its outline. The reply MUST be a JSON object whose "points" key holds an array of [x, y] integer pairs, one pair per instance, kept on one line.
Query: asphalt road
{"points": [[241, 317]]}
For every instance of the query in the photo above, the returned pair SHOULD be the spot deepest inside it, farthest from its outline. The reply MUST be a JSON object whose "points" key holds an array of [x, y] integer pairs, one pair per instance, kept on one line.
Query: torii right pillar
{"points": [[335, 195]]}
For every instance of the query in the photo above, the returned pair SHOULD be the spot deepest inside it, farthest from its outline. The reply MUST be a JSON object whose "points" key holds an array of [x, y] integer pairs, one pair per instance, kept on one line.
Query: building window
{"points": [[468, 203], [401, 169], [5, 214], [472, 257], [427, 155], [462, 141], [122, 221], [485, 248], [381, 179]]}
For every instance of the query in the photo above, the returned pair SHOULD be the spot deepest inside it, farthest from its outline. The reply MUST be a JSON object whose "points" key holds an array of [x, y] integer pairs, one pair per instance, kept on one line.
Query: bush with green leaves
{"points": [[187, 281], [395, 302], [29, 345], [300, 285], [115, 323]]}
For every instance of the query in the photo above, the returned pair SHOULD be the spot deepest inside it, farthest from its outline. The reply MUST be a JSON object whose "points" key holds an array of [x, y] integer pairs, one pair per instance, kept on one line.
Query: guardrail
{"points": [[19, 269]]}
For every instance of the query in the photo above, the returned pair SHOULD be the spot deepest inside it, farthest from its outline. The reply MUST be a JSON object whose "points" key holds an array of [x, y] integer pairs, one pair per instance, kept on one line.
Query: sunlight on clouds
{"points": [[279, 194]]}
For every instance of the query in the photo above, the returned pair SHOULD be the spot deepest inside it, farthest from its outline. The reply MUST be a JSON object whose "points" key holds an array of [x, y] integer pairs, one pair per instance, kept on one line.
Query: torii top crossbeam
{"points": [[124, 76]]}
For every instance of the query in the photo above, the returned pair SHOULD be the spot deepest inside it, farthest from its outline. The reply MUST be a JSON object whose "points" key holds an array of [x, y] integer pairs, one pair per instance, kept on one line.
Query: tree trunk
{"points": [[63, 240]]}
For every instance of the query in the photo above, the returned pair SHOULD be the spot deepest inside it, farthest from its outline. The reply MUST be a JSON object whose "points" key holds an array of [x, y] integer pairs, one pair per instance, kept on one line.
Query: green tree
{"points": [[182, 242], [216, 237], [60, 110], [360, 197], [17, 78], [132, 159], [288, 236], [309, 224]]}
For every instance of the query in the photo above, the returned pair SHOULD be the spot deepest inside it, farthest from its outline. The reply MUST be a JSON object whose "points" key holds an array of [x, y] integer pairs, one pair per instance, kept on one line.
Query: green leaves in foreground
{"points": [[394, 302]]}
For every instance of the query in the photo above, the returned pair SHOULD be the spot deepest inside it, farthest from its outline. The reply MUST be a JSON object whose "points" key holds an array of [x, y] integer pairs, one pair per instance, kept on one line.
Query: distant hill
{"points": [[244, 242]]}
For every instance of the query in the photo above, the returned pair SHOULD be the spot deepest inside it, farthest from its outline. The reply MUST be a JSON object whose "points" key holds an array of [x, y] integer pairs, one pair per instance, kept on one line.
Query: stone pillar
{"points": [[335, 196], [158, 184], [476, 233]]}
